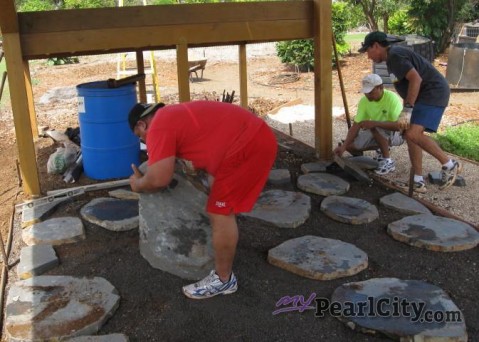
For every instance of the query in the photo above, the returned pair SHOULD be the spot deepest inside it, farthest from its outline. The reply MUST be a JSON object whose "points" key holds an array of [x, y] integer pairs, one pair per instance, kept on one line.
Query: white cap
{"points": [[369, 82]]}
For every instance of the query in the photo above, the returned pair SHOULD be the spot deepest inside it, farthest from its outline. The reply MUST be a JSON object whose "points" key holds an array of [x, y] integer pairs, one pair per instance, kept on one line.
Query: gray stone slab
{"points": [[57, 307], [392, 307], [284, 209], [175, 232], [364, 162], [319, 166], [318, 258], [403, 204], [36, 260], [38, 213], [279, 177], [434, 233], [111, 213], [349, 210], [435, 178], [100, 338], [323, 184], [55, 231]]}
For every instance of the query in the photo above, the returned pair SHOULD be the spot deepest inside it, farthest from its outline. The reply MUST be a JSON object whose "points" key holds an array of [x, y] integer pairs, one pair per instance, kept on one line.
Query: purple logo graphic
{"points": [[295, 303]]}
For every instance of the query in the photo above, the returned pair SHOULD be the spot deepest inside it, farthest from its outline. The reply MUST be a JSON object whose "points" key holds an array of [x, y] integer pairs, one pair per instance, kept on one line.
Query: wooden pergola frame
{"points": [[35, 35]]}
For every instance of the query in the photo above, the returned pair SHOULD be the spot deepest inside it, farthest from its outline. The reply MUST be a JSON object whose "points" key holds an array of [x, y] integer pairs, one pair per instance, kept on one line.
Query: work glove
{"points": [[404, 119]]}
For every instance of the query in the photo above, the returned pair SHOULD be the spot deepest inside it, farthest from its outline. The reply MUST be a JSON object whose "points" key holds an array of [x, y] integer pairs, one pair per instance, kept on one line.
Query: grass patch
{"points": [[6, 92], [355, 37], [462, 140]]}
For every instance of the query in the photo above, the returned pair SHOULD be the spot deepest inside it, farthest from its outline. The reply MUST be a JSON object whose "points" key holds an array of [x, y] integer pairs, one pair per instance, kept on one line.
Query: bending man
{"points": [[236, 149]]}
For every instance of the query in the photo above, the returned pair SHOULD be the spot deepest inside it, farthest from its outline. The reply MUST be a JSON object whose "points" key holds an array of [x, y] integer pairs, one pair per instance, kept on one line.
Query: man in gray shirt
{"points": [[425, 93]]}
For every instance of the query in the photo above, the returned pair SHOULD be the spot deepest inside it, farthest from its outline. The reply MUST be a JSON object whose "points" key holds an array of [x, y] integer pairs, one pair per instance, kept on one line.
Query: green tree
{"points": [[300, 52], [441, 17], [376, 12]]}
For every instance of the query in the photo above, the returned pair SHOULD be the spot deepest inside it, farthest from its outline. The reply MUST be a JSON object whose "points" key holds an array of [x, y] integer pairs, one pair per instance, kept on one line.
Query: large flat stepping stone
{"points": [[279, 177], [434, 233], [393, 307], [55, 231], [58, 307], [36, 260], [349, 210], [319, 166], [175, 231], [323, 184], [318, 258], [100, 338], [284, 209], [113, 214], [403, 204], [364, 162]]}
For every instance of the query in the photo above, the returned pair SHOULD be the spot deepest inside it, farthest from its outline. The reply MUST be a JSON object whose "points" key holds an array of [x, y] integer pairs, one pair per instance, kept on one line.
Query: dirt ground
{"points": [[152, 307]]}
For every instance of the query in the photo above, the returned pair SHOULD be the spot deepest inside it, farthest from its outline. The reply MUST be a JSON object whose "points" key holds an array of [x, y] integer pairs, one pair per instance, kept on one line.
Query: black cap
{"points": [[140, 110], [372, 38]]}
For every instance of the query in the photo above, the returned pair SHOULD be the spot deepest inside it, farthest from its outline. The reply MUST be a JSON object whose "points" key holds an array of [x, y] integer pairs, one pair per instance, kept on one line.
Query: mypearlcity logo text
{"points": [[396, 307]]}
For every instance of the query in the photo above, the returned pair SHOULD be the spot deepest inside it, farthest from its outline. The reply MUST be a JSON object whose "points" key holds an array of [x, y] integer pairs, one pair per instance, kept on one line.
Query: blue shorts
{"points": [[427, 116]]}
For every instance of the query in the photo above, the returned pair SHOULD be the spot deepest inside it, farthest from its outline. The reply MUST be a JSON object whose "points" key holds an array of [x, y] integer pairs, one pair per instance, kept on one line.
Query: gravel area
{"points": [[460, 201]]}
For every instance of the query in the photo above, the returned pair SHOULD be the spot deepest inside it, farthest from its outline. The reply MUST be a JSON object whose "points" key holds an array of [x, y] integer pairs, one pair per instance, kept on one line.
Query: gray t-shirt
{"points": [[434, 89]]}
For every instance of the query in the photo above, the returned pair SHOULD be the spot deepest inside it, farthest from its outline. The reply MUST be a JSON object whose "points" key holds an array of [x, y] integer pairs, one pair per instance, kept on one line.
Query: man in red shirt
{"points": [[236, 149]]}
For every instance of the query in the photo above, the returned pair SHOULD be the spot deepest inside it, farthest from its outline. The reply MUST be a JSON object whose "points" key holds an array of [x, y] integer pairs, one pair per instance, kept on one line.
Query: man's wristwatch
{"points": [[407, 105]]}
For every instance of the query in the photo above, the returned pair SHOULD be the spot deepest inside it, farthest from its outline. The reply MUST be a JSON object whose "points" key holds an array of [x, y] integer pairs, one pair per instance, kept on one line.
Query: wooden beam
{"points": [[243, 76], [182, 71], [22, 105], [323, 73], [76, 32]]}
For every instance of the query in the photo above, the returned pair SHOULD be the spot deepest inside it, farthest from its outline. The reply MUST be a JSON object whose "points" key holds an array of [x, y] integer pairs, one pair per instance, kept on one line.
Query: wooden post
{"points": [[21, 95], [323, 73], [243, 76], [140, 69], [182, 71]]}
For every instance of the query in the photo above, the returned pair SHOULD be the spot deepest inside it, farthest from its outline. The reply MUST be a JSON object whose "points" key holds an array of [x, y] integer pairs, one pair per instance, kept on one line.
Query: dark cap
{"points": [[140, 110], [371, 38]]}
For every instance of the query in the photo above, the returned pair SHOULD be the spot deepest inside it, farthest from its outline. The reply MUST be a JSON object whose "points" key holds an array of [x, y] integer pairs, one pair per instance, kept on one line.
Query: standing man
{"points": [[425, 93], [236, 149], [375, 124]]}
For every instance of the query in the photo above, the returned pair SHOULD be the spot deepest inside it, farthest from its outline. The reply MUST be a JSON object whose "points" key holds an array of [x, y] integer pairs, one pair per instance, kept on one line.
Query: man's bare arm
{"points": [[157, 176]]}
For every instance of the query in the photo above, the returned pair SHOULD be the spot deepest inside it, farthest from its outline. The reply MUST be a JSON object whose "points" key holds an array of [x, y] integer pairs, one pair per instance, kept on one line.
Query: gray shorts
{"points": [[365, 140]]}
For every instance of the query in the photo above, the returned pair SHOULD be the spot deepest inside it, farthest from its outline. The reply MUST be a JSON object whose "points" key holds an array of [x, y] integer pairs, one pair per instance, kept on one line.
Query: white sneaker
{"points": [[385, 166], [211, 286], [448, 177]]}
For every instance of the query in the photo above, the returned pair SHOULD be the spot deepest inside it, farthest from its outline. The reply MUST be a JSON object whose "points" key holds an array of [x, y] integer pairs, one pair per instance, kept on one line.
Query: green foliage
{"points": [[34, 5], [71, 4], [441, 16], [469, 11], [462, 140], [62, 60], [399, 23], [300, 53]]}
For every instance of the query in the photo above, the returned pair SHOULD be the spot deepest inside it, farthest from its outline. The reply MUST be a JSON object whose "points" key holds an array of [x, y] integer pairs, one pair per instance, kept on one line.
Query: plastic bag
{"points": [[62, 158]]}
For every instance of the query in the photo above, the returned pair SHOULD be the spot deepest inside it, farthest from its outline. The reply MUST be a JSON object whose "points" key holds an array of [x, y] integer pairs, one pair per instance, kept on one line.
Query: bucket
{"points": [[107, 143]]}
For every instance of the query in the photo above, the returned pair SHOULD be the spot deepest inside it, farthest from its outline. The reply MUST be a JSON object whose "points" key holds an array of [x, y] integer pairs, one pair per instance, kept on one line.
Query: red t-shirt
{"points": [[203, 132]]}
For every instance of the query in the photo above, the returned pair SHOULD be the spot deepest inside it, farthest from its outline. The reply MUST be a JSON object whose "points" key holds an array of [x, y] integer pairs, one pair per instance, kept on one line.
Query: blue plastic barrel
{"points": [[107, 143]]}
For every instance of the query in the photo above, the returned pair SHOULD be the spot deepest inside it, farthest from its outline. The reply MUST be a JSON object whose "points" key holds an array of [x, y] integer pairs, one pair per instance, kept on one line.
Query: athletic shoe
{"points": [[378, 156], [211, 286], [420, 187], [385, 166], [448, 177]]}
